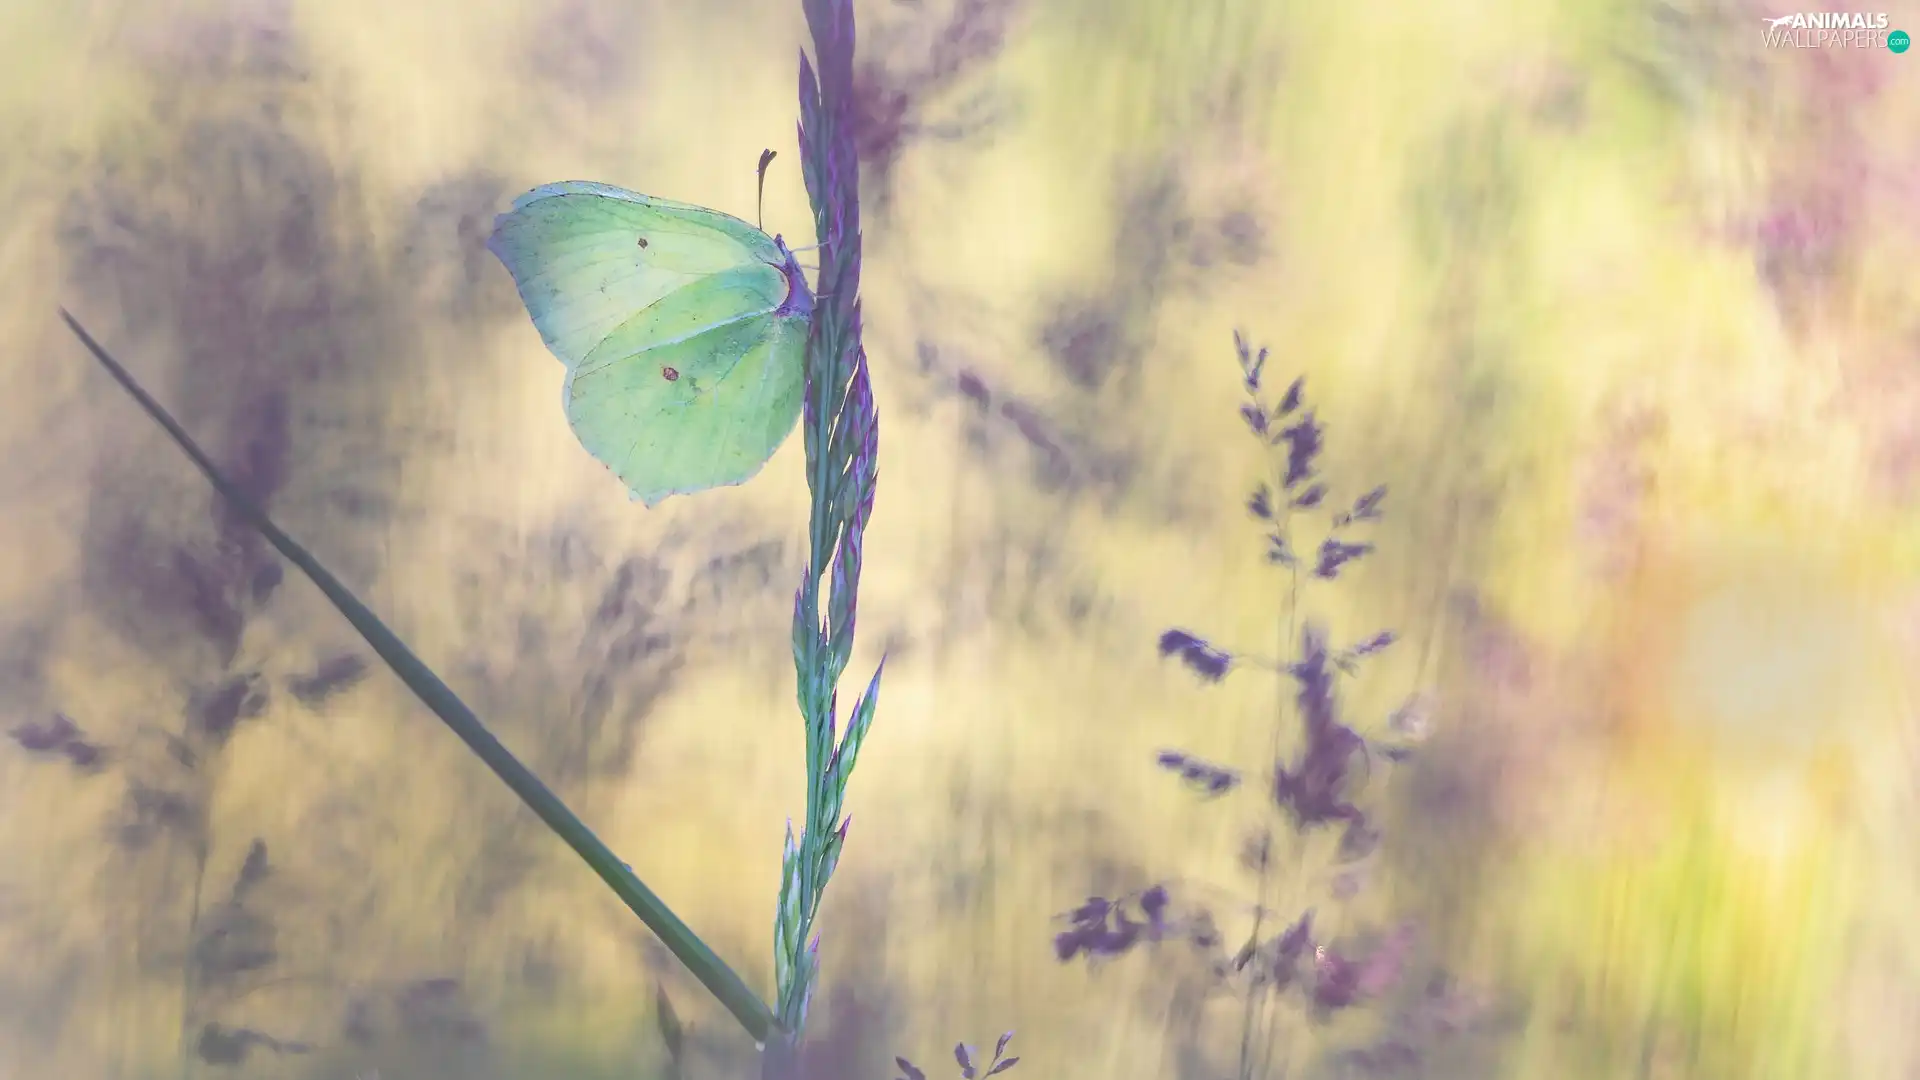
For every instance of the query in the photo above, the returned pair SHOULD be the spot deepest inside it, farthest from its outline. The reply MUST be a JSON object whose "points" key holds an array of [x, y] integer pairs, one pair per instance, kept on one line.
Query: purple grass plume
{"points": [[964, 1056], [1315, 785], [1202, 776], [841, 431], [1203, 659]]}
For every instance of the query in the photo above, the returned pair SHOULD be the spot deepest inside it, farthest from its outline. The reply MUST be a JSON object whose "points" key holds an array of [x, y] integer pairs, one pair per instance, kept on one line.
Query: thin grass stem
{"points": [[713, 973]]}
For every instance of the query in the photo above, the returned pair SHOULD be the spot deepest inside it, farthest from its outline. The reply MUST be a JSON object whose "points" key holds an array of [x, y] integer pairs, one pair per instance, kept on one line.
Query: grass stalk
{"points": [[841, 431], [713, 973]]}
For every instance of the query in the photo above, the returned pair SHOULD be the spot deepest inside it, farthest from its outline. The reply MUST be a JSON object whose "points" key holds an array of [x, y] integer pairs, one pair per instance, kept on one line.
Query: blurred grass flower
{"points": [[1315, 787]]}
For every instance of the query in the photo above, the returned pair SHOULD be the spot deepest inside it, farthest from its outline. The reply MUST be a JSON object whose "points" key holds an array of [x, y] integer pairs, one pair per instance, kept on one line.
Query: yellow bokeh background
{"points": [[1612, 297]]}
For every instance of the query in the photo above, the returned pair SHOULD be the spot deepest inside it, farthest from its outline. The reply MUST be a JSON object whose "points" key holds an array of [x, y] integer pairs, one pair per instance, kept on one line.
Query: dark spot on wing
{"points": [[643, 241], [670, 374]]}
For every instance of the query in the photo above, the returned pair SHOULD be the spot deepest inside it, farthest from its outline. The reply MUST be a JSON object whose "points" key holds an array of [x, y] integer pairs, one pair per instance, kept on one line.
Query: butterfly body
{"points": [[683, 331]]}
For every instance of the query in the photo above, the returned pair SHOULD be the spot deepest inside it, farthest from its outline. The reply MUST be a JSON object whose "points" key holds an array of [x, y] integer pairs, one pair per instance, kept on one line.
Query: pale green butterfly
{"points": [[683, 329]]}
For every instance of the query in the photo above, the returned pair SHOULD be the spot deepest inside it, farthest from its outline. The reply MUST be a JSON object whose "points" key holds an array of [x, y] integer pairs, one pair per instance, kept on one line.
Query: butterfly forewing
{"points": [[573, 250]]}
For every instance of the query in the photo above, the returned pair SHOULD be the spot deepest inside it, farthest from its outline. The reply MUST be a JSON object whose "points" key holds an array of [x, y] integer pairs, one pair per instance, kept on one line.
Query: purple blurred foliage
{"points": [[1313, 787], [891, 94], [1303, 441], [1341, 981], [1204, 776], [1335, 554], [1205, 661], [332, 676], [1103, 929], [964, 1056], [60, 736]]}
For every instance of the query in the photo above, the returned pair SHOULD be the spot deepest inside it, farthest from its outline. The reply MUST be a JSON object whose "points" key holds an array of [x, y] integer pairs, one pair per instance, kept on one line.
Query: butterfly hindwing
{"points": [[734, 397]]}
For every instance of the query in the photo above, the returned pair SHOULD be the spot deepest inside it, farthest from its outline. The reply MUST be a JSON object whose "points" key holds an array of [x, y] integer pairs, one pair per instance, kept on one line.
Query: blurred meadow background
{"points": [[1606, 293]]}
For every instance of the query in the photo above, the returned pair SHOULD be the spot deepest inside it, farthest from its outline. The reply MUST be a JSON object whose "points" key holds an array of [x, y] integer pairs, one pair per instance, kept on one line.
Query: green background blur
{"points": [[1616, 301]]}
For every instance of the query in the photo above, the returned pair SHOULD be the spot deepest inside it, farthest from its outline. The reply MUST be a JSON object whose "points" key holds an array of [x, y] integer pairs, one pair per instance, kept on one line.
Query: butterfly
{"points": [[683, 330]]}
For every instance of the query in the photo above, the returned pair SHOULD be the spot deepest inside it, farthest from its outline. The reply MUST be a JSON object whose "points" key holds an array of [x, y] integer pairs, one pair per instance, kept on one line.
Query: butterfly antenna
{"points": [[760, 203]]}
